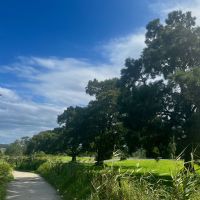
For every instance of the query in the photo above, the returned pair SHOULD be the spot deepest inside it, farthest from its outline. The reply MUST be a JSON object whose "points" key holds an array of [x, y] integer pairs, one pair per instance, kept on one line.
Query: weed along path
{"points": [[30, 186]]}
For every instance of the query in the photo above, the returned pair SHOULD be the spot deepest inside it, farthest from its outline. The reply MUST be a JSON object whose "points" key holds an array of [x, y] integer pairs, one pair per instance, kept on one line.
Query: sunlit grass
{"points": [[160, 167], [79, 159]]}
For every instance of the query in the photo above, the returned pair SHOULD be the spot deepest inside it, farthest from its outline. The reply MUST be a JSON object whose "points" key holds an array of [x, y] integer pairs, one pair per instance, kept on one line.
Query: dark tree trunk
{"points": [[99, 157], [73, 158]]}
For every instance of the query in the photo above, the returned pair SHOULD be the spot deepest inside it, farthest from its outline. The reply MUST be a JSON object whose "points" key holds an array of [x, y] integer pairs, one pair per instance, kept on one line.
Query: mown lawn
{"points": [[161, 167], [79, 159]]}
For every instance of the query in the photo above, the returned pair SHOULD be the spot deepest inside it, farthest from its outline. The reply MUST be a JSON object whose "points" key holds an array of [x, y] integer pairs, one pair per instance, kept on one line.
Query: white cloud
{"points": [[64, 80], [162, 8], [8, 95], [57, 83], [118, 49], [21, 118]]}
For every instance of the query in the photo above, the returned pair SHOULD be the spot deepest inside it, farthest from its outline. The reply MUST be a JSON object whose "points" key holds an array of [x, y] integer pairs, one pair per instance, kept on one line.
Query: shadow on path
{"points": [[30, 186]]}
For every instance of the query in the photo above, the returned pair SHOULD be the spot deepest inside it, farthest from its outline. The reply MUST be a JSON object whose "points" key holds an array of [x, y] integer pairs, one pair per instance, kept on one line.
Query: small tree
{"points": [[16, 148]]}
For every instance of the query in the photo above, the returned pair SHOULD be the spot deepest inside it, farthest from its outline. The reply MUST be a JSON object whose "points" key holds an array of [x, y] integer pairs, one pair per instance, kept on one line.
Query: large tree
{"points": [[170, 47], [188, 84], [142, 104], [46, 141], [104, 127], [73, 121]]}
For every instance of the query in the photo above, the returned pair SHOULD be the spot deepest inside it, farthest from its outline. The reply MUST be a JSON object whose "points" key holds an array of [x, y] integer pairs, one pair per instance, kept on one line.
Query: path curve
{"points": [[30, 186]]}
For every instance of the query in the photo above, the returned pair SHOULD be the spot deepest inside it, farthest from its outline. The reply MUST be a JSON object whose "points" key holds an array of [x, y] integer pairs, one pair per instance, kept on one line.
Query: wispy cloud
{"points": [[20, 117], [61, 81], [48, 85], [162, 8], [118, 49]]}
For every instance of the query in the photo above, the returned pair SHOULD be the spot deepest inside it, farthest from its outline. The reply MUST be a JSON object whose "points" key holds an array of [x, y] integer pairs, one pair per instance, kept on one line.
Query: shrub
{"points": [[5, 176], [30, 163]]}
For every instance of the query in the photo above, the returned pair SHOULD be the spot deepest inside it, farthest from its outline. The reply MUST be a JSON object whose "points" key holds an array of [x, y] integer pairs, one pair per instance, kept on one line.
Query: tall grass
{"points": [[84, 181], [186, 185], [112, 185], [72, 180]]}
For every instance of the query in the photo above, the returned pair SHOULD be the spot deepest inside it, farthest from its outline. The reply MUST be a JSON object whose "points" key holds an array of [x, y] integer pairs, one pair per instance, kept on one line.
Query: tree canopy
{"points": [[154, 105]]}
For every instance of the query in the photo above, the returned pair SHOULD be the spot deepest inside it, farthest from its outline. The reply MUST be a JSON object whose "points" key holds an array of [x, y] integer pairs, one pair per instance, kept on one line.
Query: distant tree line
{"points": [[154, 105]]}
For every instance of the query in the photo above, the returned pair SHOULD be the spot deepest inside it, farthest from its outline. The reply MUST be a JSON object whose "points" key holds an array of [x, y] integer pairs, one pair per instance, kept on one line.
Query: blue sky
{"points": [[66, 28], [50, 49]]}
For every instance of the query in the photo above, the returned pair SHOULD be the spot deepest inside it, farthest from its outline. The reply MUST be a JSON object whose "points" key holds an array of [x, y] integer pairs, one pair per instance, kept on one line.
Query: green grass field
{"points": [[132, 165], [161, 167], [79, 159]]}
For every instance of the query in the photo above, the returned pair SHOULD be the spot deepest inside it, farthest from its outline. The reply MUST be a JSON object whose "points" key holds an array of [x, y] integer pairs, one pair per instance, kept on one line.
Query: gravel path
{"points": [[30, 186]]}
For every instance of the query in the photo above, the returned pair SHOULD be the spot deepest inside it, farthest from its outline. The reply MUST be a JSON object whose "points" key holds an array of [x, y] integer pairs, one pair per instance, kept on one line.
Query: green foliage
{"points": [[105, 130], [73, 131], [189, 84], [47, 141], [115, 185], [71, 179], [160, 90], [84, 181], [127, 180], [5, 177], [27, 163], [186, 185], [17, 148]]}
